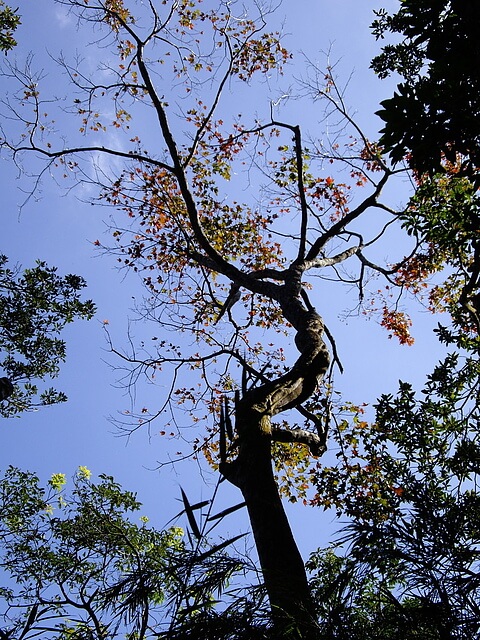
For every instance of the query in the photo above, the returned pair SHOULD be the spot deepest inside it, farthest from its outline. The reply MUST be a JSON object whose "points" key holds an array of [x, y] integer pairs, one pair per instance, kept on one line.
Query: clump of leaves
{"points": [[9, 21], [35, 306], [433, 115], [82, 562]]}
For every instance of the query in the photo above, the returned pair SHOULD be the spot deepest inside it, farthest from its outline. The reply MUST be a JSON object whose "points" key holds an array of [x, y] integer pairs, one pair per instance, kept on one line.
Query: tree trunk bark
{"points": [[251, 471], [280, 560]]}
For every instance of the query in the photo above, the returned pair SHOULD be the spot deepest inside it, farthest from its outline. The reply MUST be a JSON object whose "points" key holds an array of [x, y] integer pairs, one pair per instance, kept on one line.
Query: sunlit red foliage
{"points": [[397, 324]]}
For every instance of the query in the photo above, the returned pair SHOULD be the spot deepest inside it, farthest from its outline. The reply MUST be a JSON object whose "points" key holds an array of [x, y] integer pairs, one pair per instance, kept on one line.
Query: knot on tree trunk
{"points": [[253, 412], [309, 333], [298, 384]]}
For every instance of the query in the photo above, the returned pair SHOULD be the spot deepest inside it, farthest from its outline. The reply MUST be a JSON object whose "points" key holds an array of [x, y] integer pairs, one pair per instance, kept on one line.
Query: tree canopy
{"points": [[35, 305], [434, 116], [82, 563], [233, 223]]}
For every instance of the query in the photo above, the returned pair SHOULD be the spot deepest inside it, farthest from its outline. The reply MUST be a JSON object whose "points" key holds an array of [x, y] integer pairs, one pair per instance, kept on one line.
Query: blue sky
{"points": [[60, 229]]}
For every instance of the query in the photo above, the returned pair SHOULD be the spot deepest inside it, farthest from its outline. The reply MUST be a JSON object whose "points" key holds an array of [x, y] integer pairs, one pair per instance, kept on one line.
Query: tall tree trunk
{"points": [[280, 560], [251, 471]]}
